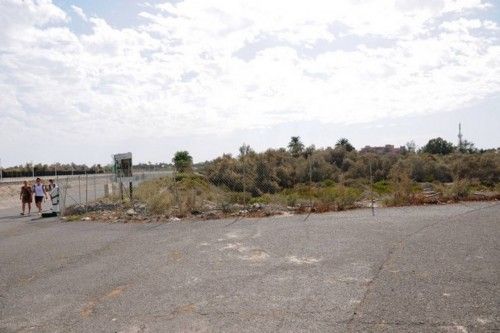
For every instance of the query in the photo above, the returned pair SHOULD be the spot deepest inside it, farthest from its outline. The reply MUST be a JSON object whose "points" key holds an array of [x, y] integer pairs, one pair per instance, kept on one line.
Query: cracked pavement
{"points": [[411, 269]]}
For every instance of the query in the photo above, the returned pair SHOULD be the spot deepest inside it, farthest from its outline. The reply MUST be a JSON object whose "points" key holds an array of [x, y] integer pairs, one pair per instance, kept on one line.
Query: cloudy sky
{"points": [[81, 80]]}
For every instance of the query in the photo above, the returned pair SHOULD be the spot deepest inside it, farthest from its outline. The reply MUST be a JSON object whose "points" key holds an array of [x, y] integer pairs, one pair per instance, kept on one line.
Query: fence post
{"points": [[371, 188], [79, 190], [244, 180], [63, 206], [121, 189], [130, 187], [176, 192], [310, 184], [86, 189]]}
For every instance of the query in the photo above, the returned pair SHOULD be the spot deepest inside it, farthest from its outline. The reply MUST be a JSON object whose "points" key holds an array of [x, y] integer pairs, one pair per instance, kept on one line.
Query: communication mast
{"points": [[460, 142]]}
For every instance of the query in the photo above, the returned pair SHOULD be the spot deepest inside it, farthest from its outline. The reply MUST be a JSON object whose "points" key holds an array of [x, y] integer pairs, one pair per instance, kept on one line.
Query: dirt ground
{"points": [[9, 195], [9, 191]]}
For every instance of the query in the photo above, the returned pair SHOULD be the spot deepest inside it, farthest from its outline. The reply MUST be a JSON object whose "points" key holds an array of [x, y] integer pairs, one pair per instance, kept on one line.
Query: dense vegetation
{"points": [[304, 179], [333, 178], [275, 170]]}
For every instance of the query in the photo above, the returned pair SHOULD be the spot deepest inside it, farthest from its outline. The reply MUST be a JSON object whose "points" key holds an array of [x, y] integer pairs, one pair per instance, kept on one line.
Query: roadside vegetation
{"points": [[302, 179]]}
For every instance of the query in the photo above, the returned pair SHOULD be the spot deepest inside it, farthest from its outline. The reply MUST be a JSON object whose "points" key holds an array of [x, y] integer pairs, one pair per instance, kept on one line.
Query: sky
{"points": [[82, 80]]}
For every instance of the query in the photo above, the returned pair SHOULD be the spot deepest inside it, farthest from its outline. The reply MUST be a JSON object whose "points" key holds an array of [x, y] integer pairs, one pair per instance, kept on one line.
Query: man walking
{"points": [[39, 193]]}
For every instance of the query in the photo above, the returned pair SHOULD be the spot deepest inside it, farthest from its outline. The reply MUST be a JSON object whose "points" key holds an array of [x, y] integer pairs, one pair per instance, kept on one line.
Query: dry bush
{"points": [[160, 203], [185, 194], [347, 197], [458, 190], [403, 189], [483, 167], [155, 194], [337, 197]]}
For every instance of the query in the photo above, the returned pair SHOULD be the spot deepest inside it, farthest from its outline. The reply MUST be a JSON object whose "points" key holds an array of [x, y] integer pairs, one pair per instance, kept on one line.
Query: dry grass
{"points": [[184, 195], [192, 194]]}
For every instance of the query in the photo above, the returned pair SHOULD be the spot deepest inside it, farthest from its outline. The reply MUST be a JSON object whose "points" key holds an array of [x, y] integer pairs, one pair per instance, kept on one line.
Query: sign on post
{"points": [[122, 167]]}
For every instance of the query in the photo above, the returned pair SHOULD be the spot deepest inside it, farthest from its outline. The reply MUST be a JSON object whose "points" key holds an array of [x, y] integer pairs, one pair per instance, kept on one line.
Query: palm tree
{"points": [[295, 146], [343, 142]]}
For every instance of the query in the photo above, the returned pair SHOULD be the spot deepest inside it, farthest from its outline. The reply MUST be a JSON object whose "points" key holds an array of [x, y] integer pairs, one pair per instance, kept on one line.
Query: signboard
{"points": [[122, 166]]}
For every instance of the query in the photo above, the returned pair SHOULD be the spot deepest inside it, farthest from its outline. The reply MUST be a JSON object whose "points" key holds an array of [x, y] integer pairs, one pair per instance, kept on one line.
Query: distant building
{"points": [[387, 149]]}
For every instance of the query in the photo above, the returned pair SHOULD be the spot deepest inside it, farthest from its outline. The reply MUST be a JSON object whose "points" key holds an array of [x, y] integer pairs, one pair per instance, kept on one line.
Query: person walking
{"points": [[26, 197], [39, 193]]}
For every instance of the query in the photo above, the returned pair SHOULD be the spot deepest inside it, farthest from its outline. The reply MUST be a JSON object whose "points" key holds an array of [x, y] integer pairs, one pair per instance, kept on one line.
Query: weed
{"points": [[73, 218]]}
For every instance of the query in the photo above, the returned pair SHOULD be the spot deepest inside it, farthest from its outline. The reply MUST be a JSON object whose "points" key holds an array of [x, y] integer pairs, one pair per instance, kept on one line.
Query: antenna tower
{"points": [[460, 142]]}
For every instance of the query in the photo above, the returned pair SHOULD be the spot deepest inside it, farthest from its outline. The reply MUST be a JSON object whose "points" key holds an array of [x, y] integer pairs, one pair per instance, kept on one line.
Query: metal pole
{"points": [[1, 170], [244, 180], [121, 189], [95, 188], [65, 191], [310, 182], [32, 170], [310, 191], [371, 188], [130, 190], [79, 191], [86, 188], [176, 193]]}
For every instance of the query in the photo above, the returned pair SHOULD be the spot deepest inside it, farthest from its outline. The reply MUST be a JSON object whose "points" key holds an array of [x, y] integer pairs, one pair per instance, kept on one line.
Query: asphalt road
{"points": [[415, 269]]}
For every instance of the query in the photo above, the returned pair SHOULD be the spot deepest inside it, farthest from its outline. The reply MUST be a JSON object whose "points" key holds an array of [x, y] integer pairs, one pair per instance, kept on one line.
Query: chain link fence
{"points": [[253, 185], [83, 190], [250, 184]]}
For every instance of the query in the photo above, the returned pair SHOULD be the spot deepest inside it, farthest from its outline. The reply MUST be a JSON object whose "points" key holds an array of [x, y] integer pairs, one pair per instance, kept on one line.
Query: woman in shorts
{"points": [[26, 197], [39, 193]]}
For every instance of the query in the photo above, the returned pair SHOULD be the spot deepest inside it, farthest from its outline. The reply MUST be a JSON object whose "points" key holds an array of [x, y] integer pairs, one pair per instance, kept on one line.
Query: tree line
{"points": [[40, 170], [275, 170]]}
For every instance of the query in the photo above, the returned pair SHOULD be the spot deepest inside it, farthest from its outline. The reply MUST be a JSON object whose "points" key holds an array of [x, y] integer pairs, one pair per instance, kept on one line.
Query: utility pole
{"points": [[1, 170], [310, 184], [32, 170], [243, 153], [371, 188], [460, 142]]}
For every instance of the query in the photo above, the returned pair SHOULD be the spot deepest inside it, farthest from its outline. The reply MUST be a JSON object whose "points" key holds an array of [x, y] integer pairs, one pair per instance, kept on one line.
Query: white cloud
{"points": [[180, 72], [78, 11]]}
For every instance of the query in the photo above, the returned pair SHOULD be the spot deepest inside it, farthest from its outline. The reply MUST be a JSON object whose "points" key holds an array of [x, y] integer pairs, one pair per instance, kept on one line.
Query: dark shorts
{"points": [[27, 199], [38, 199]]}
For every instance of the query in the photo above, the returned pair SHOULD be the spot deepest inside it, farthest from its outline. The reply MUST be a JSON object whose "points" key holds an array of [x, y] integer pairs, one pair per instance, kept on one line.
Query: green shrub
{"points": [[382, 187], [327, 183], [263, 199], [239, 198], [292, 199], [340, 197], [346, 197], [460, 189]]}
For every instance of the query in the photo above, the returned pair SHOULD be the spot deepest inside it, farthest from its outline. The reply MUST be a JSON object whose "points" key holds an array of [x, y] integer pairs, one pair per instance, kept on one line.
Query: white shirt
{"points": [[38, 190]]}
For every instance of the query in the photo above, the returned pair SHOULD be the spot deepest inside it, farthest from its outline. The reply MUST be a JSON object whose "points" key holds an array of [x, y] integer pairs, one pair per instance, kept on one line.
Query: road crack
{"points": [[398, 248]]}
